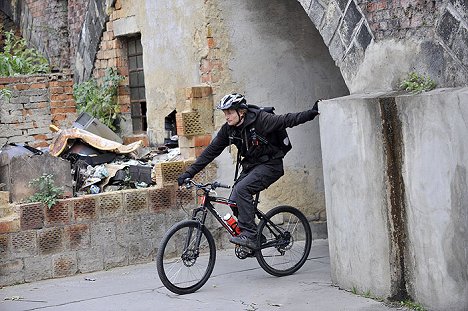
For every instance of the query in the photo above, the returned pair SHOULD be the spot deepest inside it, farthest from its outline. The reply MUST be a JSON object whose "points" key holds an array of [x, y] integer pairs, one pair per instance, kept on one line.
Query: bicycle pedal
{"points": [[243, 252]]}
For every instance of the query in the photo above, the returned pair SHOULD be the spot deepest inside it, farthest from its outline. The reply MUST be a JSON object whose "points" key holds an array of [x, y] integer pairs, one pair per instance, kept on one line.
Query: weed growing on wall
{"points": [[5, 94], [47, 192], [413, 305], [100, 99], [18, 59], [417, 83]]}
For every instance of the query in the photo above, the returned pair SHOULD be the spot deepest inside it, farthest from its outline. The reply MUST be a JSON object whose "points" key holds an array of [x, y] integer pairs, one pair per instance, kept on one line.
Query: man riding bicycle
{"points": [[255, 134]]}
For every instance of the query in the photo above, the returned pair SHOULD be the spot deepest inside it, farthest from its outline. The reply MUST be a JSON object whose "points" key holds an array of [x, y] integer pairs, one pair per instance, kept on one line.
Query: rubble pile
{"points": [[101, 165], [98, 164]]}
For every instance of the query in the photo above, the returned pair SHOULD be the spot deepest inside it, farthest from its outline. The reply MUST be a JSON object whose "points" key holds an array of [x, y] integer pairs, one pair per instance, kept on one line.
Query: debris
{"points": [[97, 160], [14, 298], [61, 142], [90, 279]]}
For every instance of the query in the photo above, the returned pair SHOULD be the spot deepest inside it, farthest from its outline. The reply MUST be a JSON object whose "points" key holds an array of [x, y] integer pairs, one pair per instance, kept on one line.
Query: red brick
{"points": [[59, 97], [56, 89], [40, 137], [77, 236], [65, 83], [9, 80], [59, 117], [38, 86], [62, 110], [21, 87], [65, 265], [58, 214], [31, 216], [84, 209], [211, 42], [202, 140], [4, 245], [161, 199], [9, 225], [50, 240]]}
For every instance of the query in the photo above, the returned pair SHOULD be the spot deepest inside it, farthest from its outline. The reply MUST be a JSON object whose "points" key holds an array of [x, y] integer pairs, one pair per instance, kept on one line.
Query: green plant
{"points": [[5, 93], [417, 83], [100, 99], [47, 192], [412, 305], [17, 59]]}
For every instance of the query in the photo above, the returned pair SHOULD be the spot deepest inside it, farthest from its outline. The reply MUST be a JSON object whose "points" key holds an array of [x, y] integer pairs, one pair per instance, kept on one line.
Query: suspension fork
{"points": [[201, 223]]}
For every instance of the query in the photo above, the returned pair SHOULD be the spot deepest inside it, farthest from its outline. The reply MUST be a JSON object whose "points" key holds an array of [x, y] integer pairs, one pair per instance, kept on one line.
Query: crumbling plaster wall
{"points": [[268, 50], [288, 67]]}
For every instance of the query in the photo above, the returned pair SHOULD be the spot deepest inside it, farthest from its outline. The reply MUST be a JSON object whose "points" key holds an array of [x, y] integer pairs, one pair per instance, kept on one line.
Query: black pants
{"points": [[247, 185]]}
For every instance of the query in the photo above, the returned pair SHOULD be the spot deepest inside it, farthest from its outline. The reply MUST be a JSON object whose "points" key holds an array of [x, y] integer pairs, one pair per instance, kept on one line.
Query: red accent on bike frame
{"points": [[201, 199]]}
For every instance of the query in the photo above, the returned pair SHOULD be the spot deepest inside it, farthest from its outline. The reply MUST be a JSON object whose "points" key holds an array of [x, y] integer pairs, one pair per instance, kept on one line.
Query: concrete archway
{"points": [[277, 58]]}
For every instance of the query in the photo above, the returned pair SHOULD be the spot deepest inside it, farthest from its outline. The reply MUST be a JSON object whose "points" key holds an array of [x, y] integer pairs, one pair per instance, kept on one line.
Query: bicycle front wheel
{"points": [[186, 257], [288, 241]]}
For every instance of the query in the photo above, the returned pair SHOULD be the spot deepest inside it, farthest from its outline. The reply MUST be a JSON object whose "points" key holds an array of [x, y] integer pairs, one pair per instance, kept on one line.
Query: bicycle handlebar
{"points": [[189, 182]]}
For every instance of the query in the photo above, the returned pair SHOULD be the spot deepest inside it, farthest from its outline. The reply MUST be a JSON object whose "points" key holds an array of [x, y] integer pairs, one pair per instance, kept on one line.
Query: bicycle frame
{"points": [[187, 254], [206, 206]]}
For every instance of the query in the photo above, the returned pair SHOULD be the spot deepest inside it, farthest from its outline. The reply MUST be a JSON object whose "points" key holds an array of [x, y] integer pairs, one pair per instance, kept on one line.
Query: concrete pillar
{"points": [[396, 191]]}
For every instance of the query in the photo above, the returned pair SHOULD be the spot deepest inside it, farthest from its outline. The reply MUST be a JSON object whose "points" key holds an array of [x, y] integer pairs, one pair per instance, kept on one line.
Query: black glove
{"points": [[181, 179], [315, 108]]}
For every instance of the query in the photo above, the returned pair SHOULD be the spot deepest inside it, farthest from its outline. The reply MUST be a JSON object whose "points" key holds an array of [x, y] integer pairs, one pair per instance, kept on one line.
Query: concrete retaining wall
{"points": [[396, 194], [88, 233]]}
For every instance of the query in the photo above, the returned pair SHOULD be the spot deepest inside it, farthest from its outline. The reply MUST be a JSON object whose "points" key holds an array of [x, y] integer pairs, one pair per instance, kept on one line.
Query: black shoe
{"points": [[243, 240]]}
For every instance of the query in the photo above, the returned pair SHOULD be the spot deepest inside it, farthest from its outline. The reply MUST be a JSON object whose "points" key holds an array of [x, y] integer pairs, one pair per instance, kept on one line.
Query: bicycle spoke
{"points": [[186, 258], [287, 251]]}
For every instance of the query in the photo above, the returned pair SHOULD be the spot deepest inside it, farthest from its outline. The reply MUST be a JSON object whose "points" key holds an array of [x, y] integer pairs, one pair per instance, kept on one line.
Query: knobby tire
{"points": [[179, 268], [287, 258]]}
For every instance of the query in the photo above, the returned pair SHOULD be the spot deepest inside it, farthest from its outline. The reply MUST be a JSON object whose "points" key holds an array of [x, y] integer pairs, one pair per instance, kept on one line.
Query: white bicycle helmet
{"points": [[232, 101]]}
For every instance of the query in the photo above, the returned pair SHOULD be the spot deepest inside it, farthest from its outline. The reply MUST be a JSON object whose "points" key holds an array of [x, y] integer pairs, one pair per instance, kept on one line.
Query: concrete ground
{"points": [[234, 285]]}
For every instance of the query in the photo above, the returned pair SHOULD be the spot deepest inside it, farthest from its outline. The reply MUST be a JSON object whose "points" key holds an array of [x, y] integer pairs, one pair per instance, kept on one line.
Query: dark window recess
{"points": [[137, 85], [170, 127]]}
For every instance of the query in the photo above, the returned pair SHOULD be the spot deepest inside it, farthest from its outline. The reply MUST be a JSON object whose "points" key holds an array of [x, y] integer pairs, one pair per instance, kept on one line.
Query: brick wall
{"points": [[36, 102], [93, 232], [76, 15], [194, 120], [113, 53], [44, 24], [400, 18]]}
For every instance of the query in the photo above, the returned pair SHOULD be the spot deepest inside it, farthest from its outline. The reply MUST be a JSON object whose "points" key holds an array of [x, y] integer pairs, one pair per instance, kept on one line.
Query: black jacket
{"points": [[258, 124]]}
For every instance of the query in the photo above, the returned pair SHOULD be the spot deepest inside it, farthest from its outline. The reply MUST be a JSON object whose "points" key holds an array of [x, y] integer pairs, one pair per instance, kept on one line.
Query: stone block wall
{"points": [[95, 232], [36, 102]]}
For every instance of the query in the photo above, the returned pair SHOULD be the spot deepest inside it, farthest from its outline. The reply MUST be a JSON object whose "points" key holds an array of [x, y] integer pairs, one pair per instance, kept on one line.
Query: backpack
{"points": [[281, 138]]}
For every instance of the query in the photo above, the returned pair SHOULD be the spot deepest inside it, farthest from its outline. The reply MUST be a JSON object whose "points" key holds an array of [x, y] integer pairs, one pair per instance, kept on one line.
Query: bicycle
{"points": [[187, 253]]}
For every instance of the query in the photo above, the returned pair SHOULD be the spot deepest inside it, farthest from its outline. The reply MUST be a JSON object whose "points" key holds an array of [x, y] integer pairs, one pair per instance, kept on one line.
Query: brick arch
{"points": [[437, 28], [344, 29]]}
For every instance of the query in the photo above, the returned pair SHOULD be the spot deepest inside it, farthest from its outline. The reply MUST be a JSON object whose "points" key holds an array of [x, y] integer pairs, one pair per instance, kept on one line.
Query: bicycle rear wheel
{"points": [[290, 241], [186, 257]]}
